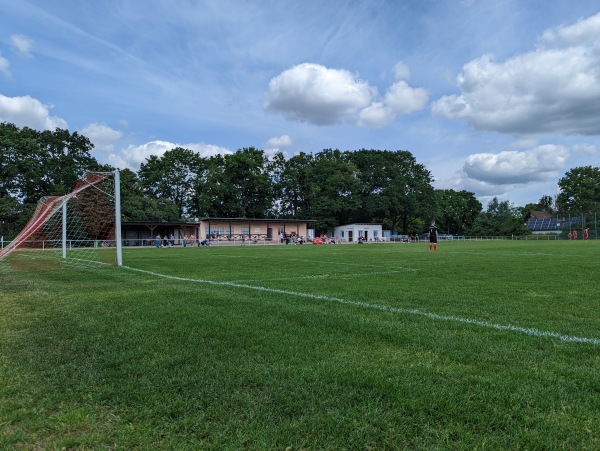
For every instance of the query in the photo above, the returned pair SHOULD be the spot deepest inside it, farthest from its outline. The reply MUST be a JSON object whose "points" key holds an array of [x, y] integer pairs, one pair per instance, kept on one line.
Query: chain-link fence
{"points": [[581, 226]]}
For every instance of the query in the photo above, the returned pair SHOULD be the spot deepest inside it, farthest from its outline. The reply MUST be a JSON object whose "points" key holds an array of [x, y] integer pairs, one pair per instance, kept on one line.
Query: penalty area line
{"points": [[385, 308]]}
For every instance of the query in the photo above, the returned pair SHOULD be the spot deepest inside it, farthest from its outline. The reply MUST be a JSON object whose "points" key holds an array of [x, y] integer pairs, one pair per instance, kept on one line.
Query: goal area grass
{"points": [[482, 345]]}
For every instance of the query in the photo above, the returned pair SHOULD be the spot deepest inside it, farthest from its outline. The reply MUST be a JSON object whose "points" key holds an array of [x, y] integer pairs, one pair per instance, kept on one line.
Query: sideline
{"points": [[384, 308]]}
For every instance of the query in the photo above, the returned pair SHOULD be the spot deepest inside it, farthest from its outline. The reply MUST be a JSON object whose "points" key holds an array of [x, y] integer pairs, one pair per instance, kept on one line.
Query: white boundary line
{"points": [[385, 308]]}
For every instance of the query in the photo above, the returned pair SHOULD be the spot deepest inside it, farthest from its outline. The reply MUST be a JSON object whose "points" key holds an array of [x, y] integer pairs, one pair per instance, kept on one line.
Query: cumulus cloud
{"points": [[516, 167], [461, 182], [279, 142], [400, 98], [403, 99], [586, 149], [316, 94], [322, 96], [580, 33], [102, 136], [555, 88], [133, 156], [29, 112], [4, 66], [21, 45], [376, 115]]}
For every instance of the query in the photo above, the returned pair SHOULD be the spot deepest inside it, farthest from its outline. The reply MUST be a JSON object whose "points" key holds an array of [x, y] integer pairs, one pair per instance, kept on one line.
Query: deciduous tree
{"points": [[579, 191]]}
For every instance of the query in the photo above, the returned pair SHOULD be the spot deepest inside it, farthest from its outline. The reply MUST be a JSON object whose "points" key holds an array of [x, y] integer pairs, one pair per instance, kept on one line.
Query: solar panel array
{"points": [[551, 224]]}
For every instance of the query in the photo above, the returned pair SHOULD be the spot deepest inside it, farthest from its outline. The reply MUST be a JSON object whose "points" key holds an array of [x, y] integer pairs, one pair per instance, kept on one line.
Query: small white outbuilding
{"points": [[352, 232]]}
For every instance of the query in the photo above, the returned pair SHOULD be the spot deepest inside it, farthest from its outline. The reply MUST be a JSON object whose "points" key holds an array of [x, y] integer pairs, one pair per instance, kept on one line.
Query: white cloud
{"points": [[401, 71], [400, 98], [29, 112], [403, 99], [554, 89], [278, 142], [512, 167], [22, 45], [586, 149], [462, 182], [376, 115], [318, 95], [4, 64], [133, 156], [102, 136], [580, 33]]}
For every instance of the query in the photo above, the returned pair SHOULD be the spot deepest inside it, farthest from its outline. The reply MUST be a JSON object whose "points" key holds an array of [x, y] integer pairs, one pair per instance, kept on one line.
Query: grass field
{"points": [[482, 345]]}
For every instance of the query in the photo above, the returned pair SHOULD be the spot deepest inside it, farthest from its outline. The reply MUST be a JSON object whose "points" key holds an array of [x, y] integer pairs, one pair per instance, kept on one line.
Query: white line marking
{"points": [[323, 276], [385, 308]]}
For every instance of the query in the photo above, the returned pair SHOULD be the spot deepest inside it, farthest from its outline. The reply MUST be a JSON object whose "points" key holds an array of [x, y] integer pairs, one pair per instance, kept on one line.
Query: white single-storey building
{"points": [[352, 232]]}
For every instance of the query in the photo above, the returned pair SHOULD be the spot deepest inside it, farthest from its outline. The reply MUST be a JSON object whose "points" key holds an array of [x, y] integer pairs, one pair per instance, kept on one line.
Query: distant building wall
{"points": [[350, 233]]}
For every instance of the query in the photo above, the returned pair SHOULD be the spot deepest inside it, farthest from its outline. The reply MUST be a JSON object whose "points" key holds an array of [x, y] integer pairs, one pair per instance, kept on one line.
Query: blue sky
{"points": [[497, 97]]}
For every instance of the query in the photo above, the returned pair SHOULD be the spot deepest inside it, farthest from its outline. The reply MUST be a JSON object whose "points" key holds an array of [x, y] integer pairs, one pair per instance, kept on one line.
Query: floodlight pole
{"points": [[118, 218]]}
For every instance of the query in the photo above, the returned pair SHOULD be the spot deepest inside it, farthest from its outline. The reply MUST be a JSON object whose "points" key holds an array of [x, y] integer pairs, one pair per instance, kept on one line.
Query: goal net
{"points": [[79, 229]]}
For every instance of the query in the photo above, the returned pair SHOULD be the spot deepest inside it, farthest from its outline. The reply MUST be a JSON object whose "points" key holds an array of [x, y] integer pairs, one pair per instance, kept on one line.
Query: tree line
{"points": [[332, 187]]}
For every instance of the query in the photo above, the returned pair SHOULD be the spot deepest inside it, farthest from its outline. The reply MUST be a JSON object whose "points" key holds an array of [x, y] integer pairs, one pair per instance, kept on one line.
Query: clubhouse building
{"points": [[218, 230]]}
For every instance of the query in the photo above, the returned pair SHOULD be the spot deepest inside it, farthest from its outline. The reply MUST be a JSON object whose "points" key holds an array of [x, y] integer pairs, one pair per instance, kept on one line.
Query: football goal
{"points": [[81, 228]]}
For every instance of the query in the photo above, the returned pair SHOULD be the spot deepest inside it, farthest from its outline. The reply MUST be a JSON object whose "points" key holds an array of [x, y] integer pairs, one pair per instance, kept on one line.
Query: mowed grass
{"points": [[307, 347]]}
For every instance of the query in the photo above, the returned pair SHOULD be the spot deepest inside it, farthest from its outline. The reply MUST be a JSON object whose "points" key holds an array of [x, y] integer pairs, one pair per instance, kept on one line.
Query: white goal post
{"points": [[81, 228]]}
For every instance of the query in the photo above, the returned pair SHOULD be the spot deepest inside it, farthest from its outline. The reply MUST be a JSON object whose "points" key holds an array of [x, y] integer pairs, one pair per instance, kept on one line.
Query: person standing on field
{"points": [[433, 236], [586, 234]]}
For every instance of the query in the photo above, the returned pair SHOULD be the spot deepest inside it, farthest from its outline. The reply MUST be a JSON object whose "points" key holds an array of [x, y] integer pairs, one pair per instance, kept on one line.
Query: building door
{"points": [[269, 233], [349, 236]]}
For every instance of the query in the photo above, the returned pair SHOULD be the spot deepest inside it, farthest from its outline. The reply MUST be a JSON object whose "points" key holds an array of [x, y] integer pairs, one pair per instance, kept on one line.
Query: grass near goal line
{"points": [[489, 345]]}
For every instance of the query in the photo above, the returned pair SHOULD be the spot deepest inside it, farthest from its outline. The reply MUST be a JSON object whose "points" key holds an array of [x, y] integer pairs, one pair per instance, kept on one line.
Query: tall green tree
{"points": [[396, 190], [546, 203], [500, 219], [292, 186], [136, 206], [247, 170], [35, 164], [457, 210], [579, 191], [235, 185], [172, 177], [333, 186]]}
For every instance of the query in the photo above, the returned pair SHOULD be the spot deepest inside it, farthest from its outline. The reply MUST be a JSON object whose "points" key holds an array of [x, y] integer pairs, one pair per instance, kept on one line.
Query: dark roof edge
{"points": [[258, 220]]}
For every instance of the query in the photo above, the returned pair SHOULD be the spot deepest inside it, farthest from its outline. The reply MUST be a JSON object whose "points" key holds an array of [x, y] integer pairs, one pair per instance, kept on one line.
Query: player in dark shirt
{"points": [[433, 235]]}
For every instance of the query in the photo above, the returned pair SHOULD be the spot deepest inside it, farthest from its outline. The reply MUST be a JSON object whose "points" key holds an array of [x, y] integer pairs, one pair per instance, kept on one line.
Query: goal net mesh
{"points": [[74, 230]]}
